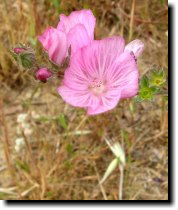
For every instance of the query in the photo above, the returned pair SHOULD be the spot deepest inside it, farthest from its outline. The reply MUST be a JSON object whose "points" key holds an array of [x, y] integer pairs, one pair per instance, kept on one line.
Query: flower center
{"points": [[97, 86]]}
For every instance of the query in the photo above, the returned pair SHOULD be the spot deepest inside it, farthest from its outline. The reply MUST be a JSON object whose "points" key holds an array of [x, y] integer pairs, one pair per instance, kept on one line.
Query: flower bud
{"points": [[158, 78], [25, 56], [18, 50], [43, 74], [27, 60]]}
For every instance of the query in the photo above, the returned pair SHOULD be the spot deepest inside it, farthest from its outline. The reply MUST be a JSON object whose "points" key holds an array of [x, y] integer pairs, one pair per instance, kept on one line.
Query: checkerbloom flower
{"points": [[102, 73]]}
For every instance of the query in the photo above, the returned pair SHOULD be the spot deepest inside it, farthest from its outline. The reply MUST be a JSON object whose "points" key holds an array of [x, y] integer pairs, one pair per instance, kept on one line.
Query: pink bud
{"points": [[43, 74], [18, 50]]}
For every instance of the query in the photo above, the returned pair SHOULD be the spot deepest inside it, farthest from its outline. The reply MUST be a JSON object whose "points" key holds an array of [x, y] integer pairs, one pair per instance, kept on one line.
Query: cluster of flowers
{"points": [[100, 72]]}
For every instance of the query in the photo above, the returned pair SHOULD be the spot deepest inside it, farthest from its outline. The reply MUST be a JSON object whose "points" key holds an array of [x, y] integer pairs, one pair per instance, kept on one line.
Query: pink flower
{"points": [[78, 27], [99, 75], [75, 30], [55, 43], [43, 74]]}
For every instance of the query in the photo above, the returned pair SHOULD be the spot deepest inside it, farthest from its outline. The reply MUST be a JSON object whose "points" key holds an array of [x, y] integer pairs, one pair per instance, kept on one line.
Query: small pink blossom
{"points": [[99, 75], [19, 50], [75, 30], [43, 74]]}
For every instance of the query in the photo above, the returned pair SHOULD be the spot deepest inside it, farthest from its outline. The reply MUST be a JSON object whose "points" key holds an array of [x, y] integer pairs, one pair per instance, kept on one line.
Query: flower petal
{"points": [[78, 37], [124, 75], [55, 43], [94, 60], [77, 98], [108, 101], [84, 17], [99, 56], [136, 46]]}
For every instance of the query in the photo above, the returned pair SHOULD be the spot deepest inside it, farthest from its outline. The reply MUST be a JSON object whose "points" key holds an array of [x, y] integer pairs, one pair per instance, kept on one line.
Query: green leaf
{"points": [[144, 81], [43, 119], [155, 90], [69, 148], [50, 194], [138, 99], [14, 56], [57, 5], [33, 41], [125, 136], [23, 165], [157, 78], [162, 73], [62, 121], [132, 106], [146, 93]]}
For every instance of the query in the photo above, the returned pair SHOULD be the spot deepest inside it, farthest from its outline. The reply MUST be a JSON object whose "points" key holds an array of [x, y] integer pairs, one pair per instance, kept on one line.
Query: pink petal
{"points": [[77, 98], [100, 55], [77, 71], [78, 37], [55, 43], [136, 46], [124, 75], [45, 37], [94, 60], [75, 81], [107, 102], [84, 17]]}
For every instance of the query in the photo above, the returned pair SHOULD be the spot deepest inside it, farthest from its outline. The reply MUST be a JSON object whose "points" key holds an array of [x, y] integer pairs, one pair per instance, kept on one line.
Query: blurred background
{"points": [[52, 151]]}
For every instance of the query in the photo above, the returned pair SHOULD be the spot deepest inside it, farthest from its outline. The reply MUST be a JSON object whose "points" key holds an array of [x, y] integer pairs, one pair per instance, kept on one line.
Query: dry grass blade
{"points": [[9, 191]]}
